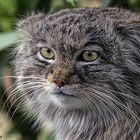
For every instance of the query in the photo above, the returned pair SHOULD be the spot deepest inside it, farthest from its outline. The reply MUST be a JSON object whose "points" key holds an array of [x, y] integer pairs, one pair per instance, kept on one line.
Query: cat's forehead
{"points": [[72, 29], [71, 38], [63, 35]]}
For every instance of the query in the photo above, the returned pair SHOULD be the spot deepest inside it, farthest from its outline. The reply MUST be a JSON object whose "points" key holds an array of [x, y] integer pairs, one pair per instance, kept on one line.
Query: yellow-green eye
{"points": [[47, 53], [89, 56]]}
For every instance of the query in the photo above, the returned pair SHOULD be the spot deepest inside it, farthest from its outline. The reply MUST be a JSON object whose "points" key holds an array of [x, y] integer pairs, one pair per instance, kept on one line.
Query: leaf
{"points": [[105, 3], [5, 23], [7, 39], [72, 2]]}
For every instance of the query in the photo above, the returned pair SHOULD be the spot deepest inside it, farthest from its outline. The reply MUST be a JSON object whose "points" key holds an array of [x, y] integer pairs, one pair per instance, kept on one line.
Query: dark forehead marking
{"points": [[94, 13], [72, 17], [66, 37]]}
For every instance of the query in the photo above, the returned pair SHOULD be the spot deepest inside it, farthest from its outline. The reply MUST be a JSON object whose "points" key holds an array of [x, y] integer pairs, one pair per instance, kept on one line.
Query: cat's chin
{"points": [[65, 100]]}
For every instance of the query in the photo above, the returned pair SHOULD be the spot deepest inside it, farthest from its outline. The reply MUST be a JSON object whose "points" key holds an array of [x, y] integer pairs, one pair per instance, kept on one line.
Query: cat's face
{"points": [[74, 65]]}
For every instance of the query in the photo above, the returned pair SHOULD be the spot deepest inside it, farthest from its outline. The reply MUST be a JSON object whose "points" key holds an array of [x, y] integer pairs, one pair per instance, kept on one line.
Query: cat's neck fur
{"points": [[87, 125]]}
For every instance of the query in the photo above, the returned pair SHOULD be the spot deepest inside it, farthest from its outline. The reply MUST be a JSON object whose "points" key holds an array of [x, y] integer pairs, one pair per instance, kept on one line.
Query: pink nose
{"points": [[59, 82]]}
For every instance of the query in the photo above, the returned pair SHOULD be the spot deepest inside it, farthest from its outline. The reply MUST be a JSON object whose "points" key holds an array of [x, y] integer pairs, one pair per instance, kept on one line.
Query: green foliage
{"points": [[7, 13], [105, 3], [72, 2], [135, 4], [129, 4], [7, 39]]}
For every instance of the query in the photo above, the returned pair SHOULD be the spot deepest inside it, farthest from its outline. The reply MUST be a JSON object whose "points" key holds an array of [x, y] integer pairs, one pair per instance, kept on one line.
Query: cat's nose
{"points": [[60, 83]]}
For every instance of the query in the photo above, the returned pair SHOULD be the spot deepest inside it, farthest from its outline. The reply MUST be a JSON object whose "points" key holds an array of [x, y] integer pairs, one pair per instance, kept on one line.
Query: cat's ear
{"points": [[29, 21], [129, 28], [130, 33]]}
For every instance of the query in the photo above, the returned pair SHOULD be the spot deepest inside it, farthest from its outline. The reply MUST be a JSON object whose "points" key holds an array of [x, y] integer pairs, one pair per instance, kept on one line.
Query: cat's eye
{"points": [[47, 53], [89, 56]]}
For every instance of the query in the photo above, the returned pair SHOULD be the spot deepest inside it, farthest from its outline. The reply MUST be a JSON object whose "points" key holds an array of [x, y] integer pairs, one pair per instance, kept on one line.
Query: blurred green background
{"points": [[13, 126]]}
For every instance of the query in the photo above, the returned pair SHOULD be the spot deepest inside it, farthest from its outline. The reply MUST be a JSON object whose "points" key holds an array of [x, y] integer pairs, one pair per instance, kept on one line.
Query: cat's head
{"points": [[85, 58]]}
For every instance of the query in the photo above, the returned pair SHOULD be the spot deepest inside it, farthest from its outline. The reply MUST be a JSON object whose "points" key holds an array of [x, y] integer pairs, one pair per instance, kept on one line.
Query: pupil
{"points": [[89, 54], [48, 51]]}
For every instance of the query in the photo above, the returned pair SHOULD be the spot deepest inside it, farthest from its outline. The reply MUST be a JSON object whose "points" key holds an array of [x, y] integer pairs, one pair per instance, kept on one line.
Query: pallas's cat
{"points": [[78, 72]]}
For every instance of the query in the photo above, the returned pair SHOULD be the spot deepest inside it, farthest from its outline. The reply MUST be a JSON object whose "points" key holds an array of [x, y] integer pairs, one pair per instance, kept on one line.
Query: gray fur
{"points": [[107, 90]]}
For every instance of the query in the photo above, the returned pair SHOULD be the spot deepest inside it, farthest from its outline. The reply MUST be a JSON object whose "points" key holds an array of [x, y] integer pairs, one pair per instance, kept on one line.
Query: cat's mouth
{"points": [[60, 92]]}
